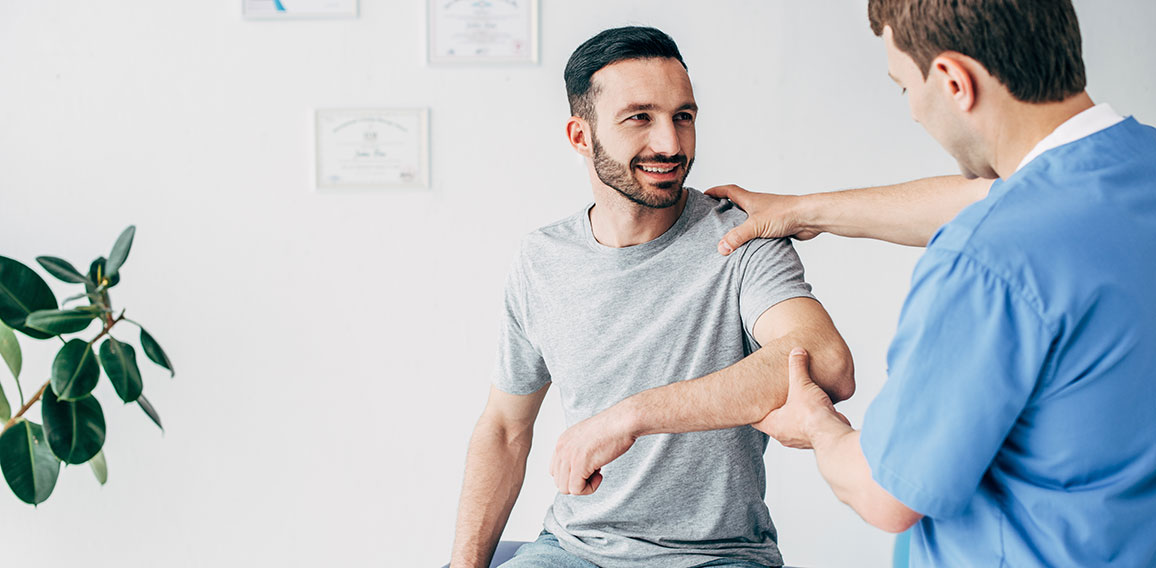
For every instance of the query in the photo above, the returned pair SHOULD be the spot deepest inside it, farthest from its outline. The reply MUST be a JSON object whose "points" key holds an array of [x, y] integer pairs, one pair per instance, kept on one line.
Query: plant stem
{"points": [[27, 405], [20, 390], [107, 327]]}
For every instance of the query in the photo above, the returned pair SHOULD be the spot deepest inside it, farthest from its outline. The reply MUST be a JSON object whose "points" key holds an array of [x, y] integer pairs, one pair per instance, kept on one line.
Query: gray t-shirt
{"points": [[604, 323]]}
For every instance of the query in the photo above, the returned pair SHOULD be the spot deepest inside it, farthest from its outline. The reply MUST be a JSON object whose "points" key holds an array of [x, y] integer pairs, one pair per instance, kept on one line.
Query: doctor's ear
{"points": [[957, 78], [578, 132]]}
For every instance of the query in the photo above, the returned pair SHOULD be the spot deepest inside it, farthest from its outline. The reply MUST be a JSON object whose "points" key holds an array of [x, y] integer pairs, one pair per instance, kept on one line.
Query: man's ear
{"points": [[578, 132], [957, 78]]}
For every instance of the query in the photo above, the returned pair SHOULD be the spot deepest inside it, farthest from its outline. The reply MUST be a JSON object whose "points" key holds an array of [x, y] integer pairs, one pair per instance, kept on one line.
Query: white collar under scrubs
{"points": [[1087, 122]]}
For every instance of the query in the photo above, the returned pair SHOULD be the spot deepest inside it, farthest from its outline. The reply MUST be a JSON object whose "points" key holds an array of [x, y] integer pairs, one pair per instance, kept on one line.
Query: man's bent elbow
{"points": [[841, 384]]}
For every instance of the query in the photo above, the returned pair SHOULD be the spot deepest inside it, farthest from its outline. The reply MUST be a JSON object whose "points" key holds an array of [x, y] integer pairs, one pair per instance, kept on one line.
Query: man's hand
{"points": [[807, 412], [585, 447], [768, 216]]}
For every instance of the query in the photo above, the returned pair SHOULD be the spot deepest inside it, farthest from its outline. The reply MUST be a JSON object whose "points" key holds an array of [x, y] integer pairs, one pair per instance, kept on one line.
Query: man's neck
{"points": [[1025, 125], [618, 222]]}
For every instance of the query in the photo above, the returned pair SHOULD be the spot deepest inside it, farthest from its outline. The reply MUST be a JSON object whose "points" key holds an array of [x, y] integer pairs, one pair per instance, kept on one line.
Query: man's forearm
{"points": [[742, 393], [495, 469], [906, 213]]}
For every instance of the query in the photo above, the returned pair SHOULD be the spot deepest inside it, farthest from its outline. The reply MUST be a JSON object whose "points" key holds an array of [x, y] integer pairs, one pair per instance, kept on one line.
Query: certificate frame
{"points": [[438, 52], [304, 10], [404, 129]]}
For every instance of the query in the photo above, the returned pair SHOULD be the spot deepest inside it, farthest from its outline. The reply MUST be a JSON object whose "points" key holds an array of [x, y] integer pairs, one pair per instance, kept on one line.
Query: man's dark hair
{"points": [[611, 46], [1031, 46]]}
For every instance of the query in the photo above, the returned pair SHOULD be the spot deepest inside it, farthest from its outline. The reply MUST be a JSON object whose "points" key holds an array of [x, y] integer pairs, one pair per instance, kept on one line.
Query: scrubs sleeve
{"points": [[967, 355]]}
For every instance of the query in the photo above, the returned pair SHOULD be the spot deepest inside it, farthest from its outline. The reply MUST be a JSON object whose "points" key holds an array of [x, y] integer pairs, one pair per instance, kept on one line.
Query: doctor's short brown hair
{"points": [[1031, 46]]}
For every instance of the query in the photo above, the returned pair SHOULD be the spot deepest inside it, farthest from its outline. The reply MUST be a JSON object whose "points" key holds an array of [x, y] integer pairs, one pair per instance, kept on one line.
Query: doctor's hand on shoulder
{"points": [[768, 216]]}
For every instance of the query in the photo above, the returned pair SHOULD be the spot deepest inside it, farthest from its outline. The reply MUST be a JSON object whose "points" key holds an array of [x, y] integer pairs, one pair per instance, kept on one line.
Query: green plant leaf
{"points": [[147, 407], [5, 408], [75, 370], [97, 272], [57, 322], [61, 269], [30, 468], [10, 350], [119, 252], [22, 292], [99, 467], [75, 429], [154, 352], [119, 362]]}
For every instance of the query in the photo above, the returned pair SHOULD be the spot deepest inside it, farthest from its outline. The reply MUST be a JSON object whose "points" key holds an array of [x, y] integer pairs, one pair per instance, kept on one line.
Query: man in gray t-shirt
{"points": [[663, 351]]}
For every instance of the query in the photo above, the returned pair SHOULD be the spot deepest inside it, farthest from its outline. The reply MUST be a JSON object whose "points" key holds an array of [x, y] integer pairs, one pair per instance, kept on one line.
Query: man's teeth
{"points": [[657, 170]]}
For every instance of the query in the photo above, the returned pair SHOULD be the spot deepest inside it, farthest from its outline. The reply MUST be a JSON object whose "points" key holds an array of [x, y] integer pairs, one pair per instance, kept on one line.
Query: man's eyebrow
{"points": [[641, 107], [637, 107]]}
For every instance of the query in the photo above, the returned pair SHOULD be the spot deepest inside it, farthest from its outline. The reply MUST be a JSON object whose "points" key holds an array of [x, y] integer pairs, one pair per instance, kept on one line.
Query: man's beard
{"points": [[621, 177]]}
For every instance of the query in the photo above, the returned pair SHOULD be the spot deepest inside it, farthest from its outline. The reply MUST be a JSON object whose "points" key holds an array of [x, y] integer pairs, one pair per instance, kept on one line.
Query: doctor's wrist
{"points": [[825, 428], [809, 213]]}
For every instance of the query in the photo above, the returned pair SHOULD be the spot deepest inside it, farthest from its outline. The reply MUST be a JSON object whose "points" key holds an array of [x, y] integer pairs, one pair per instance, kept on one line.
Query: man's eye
{"points": [[684, 116], [639, 117]]}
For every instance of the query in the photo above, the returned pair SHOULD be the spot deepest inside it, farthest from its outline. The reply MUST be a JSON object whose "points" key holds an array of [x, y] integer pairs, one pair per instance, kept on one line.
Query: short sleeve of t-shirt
{"points": [[520, 368], [968, 353], [770, 272]]}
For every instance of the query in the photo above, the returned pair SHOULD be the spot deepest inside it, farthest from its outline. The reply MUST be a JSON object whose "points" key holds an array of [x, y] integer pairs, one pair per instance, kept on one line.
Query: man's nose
{"points": [[664, 138]]}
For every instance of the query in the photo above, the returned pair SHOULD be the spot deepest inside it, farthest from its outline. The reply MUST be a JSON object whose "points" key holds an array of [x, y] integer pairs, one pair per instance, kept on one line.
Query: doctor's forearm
{"points": [[906, 213], [743, 393], [842, 464]]}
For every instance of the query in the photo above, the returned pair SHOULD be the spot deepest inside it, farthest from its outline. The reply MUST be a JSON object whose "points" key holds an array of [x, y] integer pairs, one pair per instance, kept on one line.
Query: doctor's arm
{"points": [[495, 469], [906, 213], [808, 420], [740, 394]]}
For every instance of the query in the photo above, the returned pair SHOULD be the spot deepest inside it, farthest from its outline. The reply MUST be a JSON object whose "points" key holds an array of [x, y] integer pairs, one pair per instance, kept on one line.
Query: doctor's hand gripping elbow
{"points": [[808, 413]]}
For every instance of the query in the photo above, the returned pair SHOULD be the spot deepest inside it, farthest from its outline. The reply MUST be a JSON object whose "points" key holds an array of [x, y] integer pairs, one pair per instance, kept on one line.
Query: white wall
{"points": [[333, 349]]}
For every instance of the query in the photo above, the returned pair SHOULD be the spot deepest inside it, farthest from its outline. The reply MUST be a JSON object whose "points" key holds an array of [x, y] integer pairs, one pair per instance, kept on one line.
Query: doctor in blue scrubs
{"points": [[1017, 426]]}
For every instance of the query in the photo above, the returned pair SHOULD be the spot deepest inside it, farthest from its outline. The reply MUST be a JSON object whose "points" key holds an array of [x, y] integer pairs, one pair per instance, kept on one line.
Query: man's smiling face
{"points": [[643, 144]]}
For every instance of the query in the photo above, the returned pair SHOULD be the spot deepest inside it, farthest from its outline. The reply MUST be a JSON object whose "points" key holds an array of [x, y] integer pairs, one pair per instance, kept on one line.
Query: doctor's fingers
{"points": [[730, 191], [798, 367], [736, 237]]}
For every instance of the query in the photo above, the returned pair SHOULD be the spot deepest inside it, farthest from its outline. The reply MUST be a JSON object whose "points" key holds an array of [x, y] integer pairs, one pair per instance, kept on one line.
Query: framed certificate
{"points": [[386, 148], [483, 31], [299, 9]]}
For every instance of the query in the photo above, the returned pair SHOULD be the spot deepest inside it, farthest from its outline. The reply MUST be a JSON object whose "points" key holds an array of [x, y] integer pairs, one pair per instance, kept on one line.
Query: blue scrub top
{"points": [[1019, 414]]}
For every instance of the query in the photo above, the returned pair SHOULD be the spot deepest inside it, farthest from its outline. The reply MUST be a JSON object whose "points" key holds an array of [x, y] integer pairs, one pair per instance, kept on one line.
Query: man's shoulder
{"points": [[570, 227], [558, 238], [711, 214]]}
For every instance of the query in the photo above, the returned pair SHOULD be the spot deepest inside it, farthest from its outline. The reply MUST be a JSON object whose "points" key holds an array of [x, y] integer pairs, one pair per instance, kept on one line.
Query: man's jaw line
{"points": [[671, 186]]}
